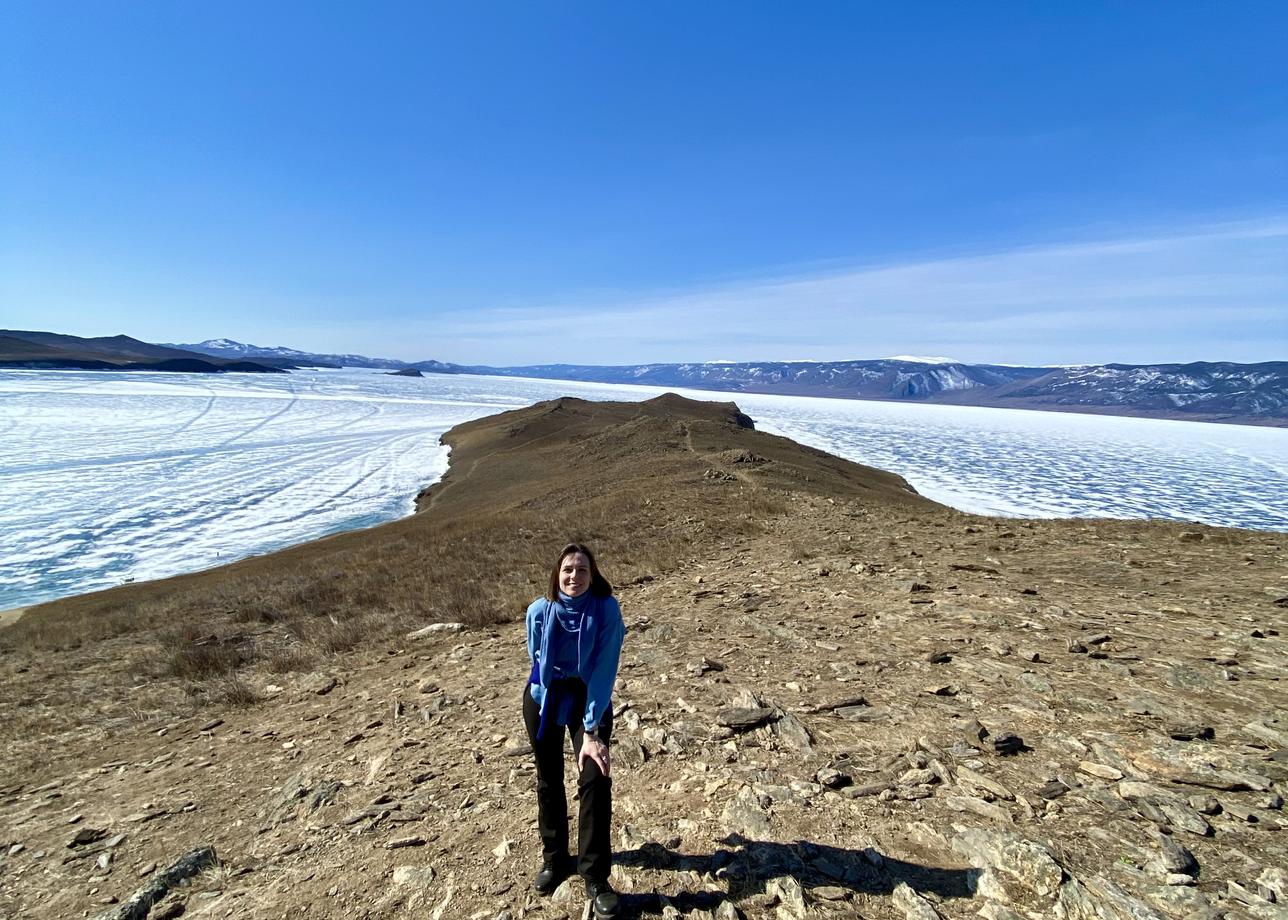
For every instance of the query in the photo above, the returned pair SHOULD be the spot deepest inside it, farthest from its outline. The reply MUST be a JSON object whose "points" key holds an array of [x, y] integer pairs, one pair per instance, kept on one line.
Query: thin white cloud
{"points": [[1145, 298]]}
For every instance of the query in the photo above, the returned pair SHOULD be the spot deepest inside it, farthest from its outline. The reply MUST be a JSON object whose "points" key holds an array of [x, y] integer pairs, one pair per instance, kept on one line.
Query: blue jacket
{"points": [[598, 653]]}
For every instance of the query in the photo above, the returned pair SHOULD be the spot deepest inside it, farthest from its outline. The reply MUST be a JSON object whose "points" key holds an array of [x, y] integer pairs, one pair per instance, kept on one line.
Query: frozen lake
{"points": [[106, 477]]}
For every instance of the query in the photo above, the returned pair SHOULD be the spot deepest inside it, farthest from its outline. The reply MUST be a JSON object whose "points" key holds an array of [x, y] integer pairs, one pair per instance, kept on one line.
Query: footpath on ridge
{"points": [[836, 699]]}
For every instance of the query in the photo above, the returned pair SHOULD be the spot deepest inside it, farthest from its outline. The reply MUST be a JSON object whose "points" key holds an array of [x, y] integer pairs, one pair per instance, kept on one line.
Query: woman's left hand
{"points": [[597, 751]]}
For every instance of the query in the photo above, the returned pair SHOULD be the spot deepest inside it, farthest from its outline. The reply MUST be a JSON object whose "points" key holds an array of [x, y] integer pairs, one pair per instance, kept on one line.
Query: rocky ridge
{"points": [[868, 709]]}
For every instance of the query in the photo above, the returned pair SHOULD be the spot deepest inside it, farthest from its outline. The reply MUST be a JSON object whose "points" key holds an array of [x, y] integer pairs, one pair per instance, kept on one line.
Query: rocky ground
{"points": [[864, 710]]}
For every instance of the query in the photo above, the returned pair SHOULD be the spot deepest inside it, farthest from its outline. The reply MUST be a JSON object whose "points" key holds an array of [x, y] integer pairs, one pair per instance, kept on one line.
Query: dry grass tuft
{"points": [[233, 691], [290, 660], [192, 656]]}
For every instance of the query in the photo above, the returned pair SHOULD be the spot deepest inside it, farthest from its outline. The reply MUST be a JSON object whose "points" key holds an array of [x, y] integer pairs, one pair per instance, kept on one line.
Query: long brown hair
{"points": [[599, 585]]}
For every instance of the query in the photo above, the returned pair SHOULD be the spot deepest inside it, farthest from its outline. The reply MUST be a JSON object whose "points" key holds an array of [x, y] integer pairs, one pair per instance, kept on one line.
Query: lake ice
{"points": [[107, 477]]}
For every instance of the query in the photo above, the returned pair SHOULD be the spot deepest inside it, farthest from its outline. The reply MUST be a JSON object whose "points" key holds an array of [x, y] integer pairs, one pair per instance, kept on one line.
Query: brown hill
{"points": [[44, 350], [959, 716]]}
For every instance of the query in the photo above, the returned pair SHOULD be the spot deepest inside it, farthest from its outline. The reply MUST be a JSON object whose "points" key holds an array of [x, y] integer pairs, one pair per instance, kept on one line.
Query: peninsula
{"points": [[837, 699]]}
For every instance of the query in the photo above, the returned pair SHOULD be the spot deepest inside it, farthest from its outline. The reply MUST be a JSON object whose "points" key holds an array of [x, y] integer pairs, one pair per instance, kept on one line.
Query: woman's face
{"points": [[574, 574]]}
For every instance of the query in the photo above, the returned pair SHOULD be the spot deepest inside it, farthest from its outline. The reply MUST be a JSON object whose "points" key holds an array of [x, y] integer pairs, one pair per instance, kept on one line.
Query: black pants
{"points": [[594, 789]]}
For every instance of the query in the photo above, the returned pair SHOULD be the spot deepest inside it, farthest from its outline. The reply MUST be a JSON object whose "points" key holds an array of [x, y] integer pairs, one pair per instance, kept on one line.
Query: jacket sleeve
{"points": [[534, 639], [603, 673]]}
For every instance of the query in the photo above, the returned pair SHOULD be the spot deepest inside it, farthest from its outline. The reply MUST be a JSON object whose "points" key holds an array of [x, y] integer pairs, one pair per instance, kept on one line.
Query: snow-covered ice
{"points": [[108, 477]]}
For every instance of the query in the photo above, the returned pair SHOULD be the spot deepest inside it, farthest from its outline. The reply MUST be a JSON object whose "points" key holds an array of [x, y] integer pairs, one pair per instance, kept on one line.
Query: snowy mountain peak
{"points": [[241, 348]]}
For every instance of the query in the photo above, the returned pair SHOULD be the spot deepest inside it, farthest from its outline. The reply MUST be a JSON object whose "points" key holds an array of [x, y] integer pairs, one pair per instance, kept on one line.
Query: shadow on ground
{"points": [[749, 865]]}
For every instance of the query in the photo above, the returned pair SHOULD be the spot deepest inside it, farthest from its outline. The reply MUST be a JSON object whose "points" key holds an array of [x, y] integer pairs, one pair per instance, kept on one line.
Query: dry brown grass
{"points": [[625, 478]]}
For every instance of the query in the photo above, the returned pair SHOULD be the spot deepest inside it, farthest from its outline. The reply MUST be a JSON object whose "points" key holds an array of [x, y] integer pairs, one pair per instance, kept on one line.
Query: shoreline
{"points": [[937, 494]]}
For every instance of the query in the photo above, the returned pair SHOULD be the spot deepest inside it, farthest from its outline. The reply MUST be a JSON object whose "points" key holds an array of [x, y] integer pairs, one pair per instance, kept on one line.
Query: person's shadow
{"points": [[748, 865]]}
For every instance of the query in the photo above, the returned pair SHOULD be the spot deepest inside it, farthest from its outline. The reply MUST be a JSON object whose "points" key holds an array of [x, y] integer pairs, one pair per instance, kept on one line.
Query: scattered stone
{"points": [[87, 835], [1241, 813], [989, 884], [1191, 732], [995, 911], [630, 752], [413, 876], [1272, 884], [979, 781], [1097, 898], [142, 901], [849, 702], [970, 803], [832, 778], [1100, 770], [402, 842], [790, 895], [1031, 863], [435, 628], [741, 719], [502, 849], [1008, 743], [1185, 818], [1174, 858], [705, 666], [1205, 804], [938, 656], [726, 911], [564, 893], [913, 905], [922, 777], [792, 731], [1243, 894], [745, 815]]}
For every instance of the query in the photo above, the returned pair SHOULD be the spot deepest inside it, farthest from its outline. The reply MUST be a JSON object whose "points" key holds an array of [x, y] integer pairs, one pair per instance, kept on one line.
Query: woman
{"points": [[574, 642]]}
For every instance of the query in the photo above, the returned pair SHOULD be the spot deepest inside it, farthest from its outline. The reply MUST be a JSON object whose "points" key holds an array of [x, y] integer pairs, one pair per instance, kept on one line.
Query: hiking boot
{"points": [[554, 869], [602, 898]]}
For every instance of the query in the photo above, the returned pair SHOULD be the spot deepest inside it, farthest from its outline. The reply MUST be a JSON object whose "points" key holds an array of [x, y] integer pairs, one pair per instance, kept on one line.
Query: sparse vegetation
{"points": [[266, 704], [613, 475]]}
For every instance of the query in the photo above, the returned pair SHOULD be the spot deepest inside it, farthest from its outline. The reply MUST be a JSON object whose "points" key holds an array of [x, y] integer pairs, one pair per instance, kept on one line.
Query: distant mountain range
{"points": [[227, 348], [51, 351], [1201, 391]]}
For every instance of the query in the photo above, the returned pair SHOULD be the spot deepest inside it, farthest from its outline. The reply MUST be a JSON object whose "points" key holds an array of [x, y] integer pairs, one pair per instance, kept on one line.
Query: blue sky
{"points": [[510, 183]]}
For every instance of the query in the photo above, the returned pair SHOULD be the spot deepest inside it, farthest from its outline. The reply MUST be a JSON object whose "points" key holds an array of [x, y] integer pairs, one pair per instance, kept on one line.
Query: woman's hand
{"points": [[594, 748]]}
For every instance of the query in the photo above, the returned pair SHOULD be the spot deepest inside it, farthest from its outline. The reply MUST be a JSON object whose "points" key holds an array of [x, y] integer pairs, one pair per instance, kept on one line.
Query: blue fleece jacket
{"points": [[599, 649]]}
